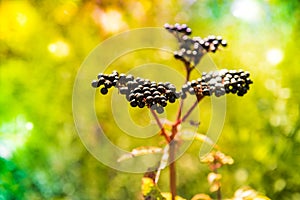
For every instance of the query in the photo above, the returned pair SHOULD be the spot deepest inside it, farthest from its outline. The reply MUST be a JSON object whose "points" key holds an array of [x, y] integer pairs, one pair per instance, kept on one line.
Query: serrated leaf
{"points": [[140, 152]]}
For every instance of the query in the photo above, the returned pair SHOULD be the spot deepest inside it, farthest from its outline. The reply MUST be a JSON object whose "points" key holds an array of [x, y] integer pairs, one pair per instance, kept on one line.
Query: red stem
{"points": [[187, 114], [172, 169], [172, 149], [188, 73], [219, 194], [162, 129]]}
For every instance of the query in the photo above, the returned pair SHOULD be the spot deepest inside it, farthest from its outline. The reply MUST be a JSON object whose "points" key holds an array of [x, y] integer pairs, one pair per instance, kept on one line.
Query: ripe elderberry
{"points": [[139, 92], [151, 94], [218, 83], [191, 49], [106, 80]]}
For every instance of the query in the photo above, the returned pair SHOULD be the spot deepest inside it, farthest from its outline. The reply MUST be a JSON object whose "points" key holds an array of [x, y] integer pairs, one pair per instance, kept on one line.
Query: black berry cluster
{"points": [[141, 92], [178, 29], [138, 91], [107, 81], [218, 83], [191, 49]]}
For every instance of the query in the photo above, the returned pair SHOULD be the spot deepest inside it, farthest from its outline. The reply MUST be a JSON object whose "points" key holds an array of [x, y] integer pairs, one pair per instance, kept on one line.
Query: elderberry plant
{"points": [[144, 93]]}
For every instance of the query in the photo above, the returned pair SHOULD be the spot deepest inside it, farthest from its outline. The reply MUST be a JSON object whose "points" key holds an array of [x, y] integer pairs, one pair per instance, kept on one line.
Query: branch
{"points": [[199, 98], [172, 171], [187, 78], [162, 129]]}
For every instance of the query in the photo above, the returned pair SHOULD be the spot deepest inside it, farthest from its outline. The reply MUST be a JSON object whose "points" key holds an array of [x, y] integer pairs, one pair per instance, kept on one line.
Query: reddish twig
{"points": [[187, 114], [172, 151], [162, 129]]}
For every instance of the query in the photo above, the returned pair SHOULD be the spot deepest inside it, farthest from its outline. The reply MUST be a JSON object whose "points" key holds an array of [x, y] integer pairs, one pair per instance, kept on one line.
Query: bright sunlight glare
{"points": [[59, 49], [21, 19], [274, 56], [13, 135], [248, 10], [111, 21]]}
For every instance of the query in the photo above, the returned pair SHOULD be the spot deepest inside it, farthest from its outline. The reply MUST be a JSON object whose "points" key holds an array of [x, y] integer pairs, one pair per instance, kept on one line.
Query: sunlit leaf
{"points": [[140, 152], [191, 135], [163, 162], [168, 196], [201, 197], [213, 177], [217, 158], [214, 181], [150, 190], [247, 193]]}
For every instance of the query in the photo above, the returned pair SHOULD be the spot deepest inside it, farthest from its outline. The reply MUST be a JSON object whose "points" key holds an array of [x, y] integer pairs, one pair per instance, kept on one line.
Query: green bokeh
{"points": [[42, 45]]}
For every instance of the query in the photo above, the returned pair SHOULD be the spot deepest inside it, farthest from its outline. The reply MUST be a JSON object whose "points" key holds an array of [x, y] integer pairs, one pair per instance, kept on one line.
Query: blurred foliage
{"points": [[42, 45]]}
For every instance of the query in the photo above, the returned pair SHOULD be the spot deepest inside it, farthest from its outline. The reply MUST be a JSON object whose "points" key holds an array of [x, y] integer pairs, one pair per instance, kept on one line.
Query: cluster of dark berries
{"points": [[191, 49], [152, 94], [178, 28], [138, 91], [218, 83], [107, 81], [211, 43], [143, 92]]}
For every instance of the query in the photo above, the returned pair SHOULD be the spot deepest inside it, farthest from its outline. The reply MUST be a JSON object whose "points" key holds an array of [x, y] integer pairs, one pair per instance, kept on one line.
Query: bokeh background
{"points": [[42, 45]]}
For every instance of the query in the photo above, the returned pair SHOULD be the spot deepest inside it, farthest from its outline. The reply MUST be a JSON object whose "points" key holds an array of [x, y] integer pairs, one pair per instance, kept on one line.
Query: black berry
{"points": [[95, 84], [104, 91]]}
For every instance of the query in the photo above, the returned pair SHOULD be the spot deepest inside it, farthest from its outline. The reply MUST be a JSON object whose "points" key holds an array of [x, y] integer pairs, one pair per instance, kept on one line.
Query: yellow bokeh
{"points": [[18, 19], [64, 13], [59, 48]]}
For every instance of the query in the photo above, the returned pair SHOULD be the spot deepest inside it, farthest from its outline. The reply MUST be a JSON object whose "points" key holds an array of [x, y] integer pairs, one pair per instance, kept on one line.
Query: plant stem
{"points": [[179, 110], [187, 114], [219, 194], [172, 169], [172, 143], [162, 129], [188, 73]]}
